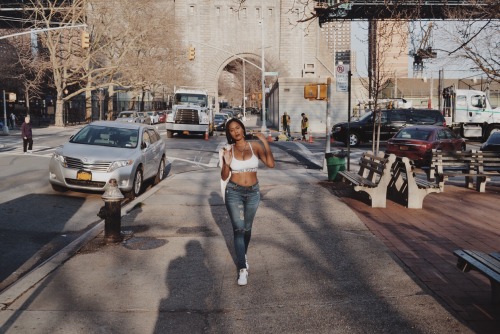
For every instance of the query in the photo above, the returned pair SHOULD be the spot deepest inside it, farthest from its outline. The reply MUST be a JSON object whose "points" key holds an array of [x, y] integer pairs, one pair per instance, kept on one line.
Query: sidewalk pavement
{"points": [[313, 267]]}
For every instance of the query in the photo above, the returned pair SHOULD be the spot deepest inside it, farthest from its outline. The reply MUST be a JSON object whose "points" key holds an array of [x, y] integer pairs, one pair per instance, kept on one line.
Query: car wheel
{"points": [[354, 140], [136, 186], [161, 171], [58, 188]]}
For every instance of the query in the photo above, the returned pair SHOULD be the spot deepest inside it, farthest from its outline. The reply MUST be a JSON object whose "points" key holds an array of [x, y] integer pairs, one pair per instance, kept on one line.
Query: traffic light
{"points": [[191, 53], [85, 40], [316, 91]]}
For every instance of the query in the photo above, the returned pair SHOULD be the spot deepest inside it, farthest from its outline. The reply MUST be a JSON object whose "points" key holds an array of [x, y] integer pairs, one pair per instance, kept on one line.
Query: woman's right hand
{"points": [[228, 156]]}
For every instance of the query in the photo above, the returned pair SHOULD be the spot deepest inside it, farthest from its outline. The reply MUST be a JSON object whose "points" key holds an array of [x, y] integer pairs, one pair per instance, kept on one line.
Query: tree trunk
{"points": [[59, 112]]}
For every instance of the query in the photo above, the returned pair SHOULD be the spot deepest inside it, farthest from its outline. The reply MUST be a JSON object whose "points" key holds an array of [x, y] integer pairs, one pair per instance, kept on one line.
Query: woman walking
{"points": [[27, 134], [240, 160]]}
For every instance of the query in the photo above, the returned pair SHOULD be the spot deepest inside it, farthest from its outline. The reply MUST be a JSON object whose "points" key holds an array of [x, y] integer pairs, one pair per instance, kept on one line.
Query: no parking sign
{"points": [[342, 79]]}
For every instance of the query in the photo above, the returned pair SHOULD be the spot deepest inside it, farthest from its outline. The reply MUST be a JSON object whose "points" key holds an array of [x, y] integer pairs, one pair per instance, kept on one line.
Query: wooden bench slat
{"points": [[486, 264]]}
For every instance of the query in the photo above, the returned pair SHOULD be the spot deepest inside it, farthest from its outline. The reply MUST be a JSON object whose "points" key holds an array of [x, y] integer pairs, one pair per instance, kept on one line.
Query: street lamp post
{"points": [[264, 127]]}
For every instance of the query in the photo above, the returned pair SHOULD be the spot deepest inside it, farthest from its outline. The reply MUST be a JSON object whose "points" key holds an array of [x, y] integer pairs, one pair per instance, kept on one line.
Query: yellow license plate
{"points": [[84, 175], [185, 132]]}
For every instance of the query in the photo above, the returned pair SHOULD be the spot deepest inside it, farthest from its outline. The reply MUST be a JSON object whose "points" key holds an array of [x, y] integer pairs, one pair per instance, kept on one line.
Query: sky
{"points": [[453, 69]]}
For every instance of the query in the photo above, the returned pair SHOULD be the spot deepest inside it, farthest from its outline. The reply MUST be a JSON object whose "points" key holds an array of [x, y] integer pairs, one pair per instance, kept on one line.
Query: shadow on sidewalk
{"points": [[424, 240]]}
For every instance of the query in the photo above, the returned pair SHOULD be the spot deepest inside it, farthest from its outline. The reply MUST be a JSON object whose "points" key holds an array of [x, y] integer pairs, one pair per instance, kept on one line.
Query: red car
{"points": [[162, 116], [417, 142]]}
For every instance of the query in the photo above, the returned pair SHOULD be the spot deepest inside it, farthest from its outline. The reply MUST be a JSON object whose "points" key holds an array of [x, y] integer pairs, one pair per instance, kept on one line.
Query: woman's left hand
{"points": [[260, 135]]}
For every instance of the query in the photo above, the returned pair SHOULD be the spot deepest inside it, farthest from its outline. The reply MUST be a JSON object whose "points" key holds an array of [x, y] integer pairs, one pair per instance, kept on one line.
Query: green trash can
{"points": [[335, 162]]}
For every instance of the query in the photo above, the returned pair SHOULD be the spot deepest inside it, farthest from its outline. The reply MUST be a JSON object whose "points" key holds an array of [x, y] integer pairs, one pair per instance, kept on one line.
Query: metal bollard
{"points": [[111, 213]]}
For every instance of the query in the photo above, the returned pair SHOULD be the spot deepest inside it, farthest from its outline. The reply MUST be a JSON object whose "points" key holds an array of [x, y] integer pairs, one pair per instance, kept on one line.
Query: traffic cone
{"points": [[269, 137], [311, 137], [206, 135]]}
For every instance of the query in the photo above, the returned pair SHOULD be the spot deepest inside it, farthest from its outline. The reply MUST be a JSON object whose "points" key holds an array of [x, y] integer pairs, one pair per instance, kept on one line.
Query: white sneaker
{"points": [[243, 277]]}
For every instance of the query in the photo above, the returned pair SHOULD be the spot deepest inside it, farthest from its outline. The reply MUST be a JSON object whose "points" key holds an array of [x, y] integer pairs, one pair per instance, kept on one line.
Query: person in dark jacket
{"points": [[27, 134]]}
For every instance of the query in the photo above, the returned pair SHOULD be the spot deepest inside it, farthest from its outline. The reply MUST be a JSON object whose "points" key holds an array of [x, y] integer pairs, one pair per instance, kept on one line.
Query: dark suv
{"points": [[392, 121]]}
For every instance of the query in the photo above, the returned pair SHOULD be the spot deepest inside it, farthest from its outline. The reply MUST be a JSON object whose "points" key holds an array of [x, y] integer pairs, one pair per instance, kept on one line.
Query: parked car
{"points": [[127, 152], [492, 143], [128, 116], [162, 116], [143, 117], [238, 112], [392, 120], [220, 121], [153, 117], [229, 112], [417, 142]]}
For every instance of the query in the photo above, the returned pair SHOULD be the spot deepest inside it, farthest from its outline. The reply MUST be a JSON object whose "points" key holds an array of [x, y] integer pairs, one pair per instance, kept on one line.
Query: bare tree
{"points": [[387, 39], [130, 46], [30, 66]]}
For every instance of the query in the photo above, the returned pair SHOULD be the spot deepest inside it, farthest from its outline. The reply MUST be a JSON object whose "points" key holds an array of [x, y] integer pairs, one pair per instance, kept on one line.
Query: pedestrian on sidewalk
{"points": [[27, 134], [304, 124], [240, 160], [13, 120], [285, 122]]}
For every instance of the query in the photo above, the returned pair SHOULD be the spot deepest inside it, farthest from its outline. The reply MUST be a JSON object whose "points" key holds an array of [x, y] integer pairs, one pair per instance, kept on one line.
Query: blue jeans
{"points": [[241, 204]]}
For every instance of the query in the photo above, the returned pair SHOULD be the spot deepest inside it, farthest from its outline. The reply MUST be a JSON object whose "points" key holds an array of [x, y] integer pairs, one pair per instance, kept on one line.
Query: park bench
{"points": [[373, 177], [404, 182], [452, 164], [488, 163], [486, 264]]}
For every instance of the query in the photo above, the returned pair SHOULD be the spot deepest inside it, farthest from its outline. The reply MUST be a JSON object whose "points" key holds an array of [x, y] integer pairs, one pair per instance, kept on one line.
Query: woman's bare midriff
{"points": [[246, 179]]}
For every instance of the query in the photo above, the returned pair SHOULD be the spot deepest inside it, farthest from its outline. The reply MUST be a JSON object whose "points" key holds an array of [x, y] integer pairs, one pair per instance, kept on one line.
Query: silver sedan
{"points": [[127, 152]]}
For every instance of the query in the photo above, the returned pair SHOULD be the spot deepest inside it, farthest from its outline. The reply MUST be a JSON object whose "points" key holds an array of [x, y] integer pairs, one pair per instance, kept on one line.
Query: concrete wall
{"points": [[288, 96]]}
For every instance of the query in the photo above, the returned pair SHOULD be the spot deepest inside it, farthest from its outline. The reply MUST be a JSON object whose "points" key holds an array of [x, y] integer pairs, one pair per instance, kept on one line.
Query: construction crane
{"points": [[424, 51]]}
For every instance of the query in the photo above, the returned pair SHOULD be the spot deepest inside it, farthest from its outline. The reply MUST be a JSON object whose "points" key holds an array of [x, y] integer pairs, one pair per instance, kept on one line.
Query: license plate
{"points": [[185, 132], [403, 148], [84, 175]]}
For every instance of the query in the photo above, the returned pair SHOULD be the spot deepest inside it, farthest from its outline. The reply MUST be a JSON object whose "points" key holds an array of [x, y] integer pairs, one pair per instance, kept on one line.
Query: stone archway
{"points": [[251, 60]]}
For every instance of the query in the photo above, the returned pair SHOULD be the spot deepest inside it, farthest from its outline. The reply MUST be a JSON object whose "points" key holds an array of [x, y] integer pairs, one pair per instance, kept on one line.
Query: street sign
{"points": [[271, 74], [342, 78]]}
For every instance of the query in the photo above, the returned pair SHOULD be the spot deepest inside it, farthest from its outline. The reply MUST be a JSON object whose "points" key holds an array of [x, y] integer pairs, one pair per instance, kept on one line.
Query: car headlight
{"points": [[337, 129], [61, 159], [119, 164]]}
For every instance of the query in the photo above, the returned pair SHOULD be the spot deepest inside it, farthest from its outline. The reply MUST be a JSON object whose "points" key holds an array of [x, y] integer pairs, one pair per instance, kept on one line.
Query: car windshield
{"points": [[368, 115], [418, 134], [126, 115], [107, 136], [220, 117]]}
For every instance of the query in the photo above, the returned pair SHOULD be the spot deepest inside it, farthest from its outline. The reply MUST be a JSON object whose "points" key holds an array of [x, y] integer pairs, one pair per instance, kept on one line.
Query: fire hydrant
{"points": [[111, 213]]}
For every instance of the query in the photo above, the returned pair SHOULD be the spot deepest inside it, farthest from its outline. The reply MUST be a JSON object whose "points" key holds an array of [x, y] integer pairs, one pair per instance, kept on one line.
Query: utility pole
{"points": [[264, 125]]}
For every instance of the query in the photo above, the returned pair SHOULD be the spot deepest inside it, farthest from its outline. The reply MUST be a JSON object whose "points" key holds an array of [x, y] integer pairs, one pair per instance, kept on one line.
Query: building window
{"points": [[217, 10], [191, 9]]}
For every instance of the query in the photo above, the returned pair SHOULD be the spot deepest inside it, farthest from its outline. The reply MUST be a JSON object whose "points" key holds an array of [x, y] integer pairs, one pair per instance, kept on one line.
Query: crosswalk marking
{"points": [[44, 151]]}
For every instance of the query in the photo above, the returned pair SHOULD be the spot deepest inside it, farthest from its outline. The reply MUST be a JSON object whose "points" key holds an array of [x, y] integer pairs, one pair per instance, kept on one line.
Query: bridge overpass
{"points": [[331, 10]]}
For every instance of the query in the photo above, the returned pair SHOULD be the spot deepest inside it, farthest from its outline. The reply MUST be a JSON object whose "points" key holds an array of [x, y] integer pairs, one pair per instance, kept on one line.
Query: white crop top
{"points": [[244, 166]]}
